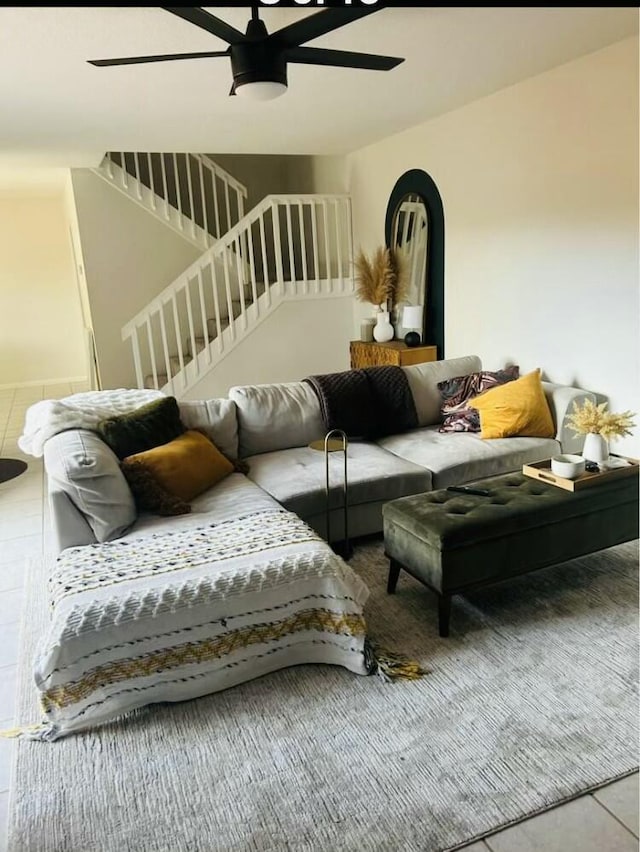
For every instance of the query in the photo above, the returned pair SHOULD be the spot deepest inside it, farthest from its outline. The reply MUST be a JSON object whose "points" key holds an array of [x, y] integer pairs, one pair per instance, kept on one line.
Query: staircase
{"points": [[288, 247], [188, 192]]}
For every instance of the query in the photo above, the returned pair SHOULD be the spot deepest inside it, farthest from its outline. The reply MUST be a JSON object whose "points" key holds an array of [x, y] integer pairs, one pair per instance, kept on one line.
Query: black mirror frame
{"points": [[418, 182]]}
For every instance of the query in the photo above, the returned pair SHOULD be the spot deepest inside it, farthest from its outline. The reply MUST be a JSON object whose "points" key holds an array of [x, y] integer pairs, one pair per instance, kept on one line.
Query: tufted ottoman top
{"points": [[445, 519]]}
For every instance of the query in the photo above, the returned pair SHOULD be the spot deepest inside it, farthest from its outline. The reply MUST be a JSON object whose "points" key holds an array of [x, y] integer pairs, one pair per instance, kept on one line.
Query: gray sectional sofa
{"points": [[160, 609], [270, 427]]}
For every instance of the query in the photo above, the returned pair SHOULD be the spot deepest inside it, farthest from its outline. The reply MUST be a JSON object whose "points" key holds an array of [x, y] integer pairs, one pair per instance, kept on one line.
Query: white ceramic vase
{"points": [[382, 330], [596, 448]]}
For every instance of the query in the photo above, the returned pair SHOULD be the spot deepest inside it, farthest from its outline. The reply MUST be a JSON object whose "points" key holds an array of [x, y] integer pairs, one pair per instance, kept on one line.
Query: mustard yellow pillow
{"points": [[165, 478], [517, 408]]}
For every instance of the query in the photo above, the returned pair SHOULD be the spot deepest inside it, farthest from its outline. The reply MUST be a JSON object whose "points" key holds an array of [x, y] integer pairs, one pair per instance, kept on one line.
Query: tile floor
{"points": [[603, 821]]}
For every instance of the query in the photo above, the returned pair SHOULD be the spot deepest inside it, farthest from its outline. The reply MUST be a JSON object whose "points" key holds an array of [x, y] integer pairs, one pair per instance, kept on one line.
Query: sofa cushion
{"points": [[211, 507], [296, 477], [276, 416], [457, 457], [82, 466], [216, 418], [424, 378]]}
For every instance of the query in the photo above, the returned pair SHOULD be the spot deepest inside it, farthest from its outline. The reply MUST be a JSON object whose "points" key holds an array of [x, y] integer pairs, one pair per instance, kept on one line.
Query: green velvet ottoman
{"points": [[455, 542]]}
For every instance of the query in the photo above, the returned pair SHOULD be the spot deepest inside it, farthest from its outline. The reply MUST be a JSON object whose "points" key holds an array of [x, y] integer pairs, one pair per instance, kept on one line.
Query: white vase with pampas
{"points": [[382, 330], [381, 281]]}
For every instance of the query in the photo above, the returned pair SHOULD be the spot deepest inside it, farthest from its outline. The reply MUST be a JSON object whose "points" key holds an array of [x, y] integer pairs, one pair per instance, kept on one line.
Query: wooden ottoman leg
{"points": [[394, 573], [444, 612]]}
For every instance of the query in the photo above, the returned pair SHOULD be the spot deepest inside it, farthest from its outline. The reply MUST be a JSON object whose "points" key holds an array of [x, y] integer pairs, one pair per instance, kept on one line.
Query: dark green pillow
{"points": [[149, 426]]}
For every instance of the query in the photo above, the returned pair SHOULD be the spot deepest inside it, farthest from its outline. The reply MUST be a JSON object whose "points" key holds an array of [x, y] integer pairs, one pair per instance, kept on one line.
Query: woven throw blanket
{"points": [[79, 411], [367, 403], [179, 614]]}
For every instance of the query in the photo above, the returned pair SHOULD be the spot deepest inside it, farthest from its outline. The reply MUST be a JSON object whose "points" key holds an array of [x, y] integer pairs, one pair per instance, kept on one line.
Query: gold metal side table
{"points": [[332, 444]]}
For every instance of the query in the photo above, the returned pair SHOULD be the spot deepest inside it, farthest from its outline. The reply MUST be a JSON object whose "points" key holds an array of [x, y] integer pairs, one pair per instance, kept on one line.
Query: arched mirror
{"points": [[409, 239], [414, 227]]}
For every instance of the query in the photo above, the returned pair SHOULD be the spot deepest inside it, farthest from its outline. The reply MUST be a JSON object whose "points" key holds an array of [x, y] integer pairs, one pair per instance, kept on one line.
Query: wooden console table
{"points": [[395, 352]]}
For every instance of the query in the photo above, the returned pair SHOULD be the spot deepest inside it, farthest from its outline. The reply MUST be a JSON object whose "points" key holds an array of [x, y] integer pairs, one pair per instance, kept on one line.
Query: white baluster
{"points": [[164, 186], [336, 214], [152, 353], [265, 264], [327, 253], [192, 330], [216, 206], [205, 214], [152, 180], [303, 249], [316, 252], [190, 188], [203, 315], [292, 260], [252, 269], [137, 361], [240, 274], [176, 179], [165, 349], [179, 341], [216, 304], [227, 287], [277, 243], [227, 205], [347, 207], [123, 166], [109, 165], [136, 160]]}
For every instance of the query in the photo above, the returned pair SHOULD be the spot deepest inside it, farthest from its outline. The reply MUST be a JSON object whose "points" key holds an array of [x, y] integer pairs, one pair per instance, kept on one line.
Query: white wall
{"points": [[129, 257], [271, 174], [41, 329], [298, 339], [540, 190]]}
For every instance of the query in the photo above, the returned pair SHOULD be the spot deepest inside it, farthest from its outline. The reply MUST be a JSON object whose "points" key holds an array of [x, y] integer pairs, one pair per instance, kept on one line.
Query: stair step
{"points": [[212, 330], [236, 307], [162, 380]]}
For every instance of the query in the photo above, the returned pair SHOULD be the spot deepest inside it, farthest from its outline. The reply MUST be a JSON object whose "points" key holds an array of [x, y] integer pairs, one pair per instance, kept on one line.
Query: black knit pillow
{"points": [[149, 426]]}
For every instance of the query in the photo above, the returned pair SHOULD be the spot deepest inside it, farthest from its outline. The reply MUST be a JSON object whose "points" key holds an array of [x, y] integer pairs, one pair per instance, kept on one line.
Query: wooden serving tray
{"points": [[542, 471]]}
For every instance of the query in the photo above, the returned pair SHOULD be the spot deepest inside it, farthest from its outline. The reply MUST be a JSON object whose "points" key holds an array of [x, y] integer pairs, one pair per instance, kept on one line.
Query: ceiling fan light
{"points": [[261, 90]]}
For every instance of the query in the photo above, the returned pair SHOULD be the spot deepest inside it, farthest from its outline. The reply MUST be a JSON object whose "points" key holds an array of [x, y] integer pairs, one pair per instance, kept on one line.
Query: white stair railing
{"points": [[287, 247], [191, 193]]}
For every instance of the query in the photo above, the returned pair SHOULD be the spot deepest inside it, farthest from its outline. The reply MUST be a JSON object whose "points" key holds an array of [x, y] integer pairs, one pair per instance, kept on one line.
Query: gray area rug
{"points": [[532, 700]]}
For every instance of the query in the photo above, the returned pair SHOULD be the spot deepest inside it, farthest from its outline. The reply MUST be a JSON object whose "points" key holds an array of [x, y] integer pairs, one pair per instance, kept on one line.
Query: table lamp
{"points": [[412, 319]]}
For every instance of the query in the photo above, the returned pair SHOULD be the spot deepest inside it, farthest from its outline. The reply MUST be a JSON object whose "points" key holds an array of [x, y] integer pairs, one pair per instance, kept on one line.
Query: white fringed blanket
{"points": [[179, 614], [79, 411]]}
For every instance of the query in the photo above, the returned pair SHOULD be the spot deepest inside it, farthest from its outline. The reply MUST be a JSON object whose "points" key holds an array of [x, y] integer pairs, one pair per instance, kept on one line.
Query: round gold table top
{"points": [[333, 444]]}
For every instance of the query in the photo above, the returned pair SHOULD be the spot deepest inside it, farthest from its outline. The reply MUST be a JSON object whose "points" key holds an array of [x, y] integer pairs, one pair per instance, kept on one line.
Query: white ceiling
{"points": [[56, 110]]}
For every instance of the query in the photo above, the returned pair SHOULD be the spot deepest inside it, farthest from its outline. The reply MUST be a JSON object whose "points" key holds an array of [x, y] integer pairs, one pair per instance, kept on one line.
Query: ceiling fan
{"points": [[259, 59]]}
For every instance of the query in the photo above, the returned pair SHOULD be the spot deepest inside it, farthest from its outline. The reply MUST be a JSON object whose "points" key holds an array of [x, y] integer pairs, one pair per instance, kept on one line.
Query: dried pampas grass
{"points": [[381, 278]]}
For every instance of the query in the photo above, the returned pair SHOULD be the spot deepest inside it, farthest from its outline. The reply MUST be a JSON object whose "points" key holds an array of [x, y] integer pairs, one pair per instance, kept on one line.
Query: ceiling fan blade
{"points": [[167, 57], [318, 24], [215, 26], [341, 58]]}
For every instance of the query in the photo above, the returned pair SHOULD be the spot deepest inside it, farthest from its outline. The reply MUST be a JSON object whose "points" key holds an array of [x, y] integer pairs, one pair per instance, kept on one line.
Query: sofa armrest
{"points": [[561, 399]]}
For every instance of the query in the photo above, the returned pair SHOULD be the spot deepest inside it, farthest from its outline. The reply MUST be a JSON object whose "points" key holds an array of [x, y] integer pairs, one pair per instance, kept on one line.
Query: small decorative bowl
{"points": [[568, 466]]}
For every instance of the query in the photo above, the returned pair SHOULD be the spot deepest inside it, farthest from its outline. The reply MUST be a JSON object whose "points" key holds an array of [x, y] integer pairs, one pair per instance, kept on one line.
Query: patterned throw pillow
{"points": [[456, 393]]}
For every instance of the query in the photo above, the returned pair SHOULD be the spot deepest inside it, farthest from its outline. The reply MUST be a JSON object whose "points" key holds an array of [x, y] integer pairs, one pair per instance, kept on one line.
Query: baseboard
{"points": [[45, 382]]}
